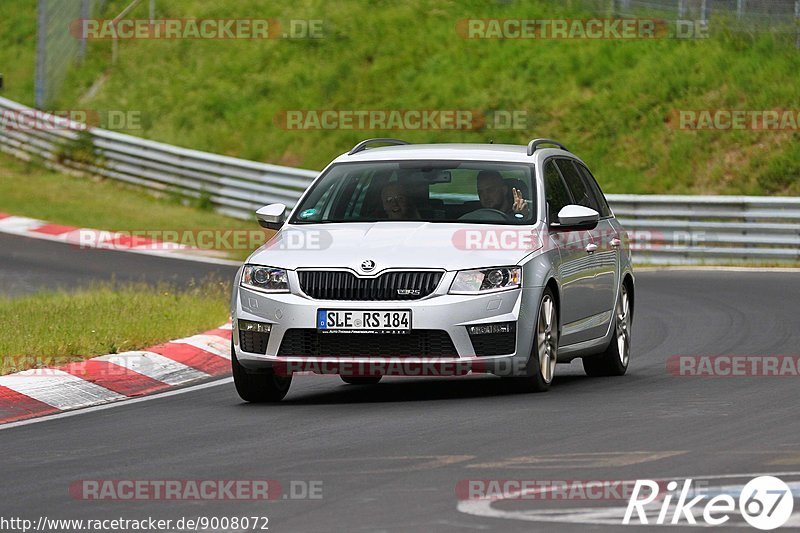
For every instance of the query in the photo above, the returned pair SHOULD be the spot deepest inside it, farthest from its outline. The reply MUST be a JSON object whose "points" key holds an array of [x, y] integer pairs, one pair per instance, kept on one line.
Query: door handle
{"points": [[615, 242], [591, 248]]}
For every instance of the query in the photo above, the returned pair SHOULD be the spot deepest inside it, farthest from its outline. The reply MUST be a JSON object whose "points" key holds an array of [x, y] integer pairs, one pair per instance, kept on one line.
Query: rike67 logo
{"points": [[765, 502]]}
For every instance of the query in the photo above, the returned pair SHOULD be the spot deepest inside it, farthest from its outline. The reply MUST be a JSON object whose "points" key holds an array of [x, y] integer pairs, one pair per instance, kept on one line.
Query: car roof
{"points": [[451, 151]]}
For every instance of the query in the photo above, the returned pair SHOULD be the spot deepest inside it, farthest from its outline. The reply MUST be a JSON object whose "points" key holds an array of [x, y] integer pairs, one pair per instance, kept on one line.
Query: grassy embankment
{"points": [[608, 100]]}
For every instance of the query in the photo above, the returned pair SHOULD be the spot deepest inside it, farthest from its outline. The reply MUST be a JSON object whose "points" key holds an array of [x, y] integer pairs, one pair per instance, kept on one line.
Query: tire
{"points": [[615, 359], [540, 369], [261, 387], [361, 380]]}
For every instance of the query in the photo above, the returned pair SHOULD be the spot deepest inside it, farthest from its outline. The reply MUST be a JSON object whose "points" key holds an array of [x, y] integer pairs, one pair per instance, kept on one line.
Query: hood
{"points": [[397, 245]]}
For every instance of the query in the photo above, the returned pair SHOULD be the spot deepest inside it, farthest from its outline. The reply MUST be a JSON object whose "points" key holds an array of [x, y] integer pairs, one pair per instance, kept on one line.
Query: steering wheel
{"points": [[485, 213]]}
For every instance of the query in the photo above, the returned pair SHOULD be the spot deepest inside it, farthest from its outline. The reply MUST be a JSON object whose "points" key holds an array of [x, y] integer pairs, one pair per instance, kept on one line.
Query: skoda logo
{"points": [[368, 265]]}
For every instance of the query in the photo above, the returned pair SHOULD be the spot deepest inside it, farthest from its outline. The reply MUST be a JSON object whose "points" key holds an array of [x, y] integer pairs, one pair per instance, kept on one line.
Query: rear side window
{"points": [[580, 191], [594, 188], [556, 192]]}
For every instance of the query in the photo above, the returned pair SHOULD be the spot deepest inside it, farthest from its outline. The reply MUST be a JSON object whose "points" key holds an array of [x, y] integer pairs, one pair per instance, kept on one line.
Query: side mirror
{"points": [[271, 216], [577, 217]]}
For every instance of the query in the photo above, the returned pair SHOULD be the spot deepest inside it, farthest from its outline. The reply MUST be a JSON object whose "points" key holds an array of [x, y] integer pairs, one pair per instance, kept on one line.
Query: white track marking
{"points": [[20, 225], [209, 343], [578, 460], [155, 366], [183, 256], [58, 388], [131, 401], [23, 227]]}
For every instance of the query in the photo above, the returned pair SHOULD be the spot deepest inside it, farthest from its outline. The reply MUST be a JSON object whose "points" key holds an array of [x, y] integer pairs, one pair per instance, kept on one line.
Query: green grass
{"points": [[29, 190], [55, 328], [18, 49]]}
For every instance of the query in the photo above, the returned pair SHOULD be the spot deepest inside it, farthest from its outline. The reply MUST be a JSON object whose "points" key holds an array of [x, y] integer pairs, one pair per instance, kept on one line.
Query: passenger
{"points": [[397, 203], [494, 193]]}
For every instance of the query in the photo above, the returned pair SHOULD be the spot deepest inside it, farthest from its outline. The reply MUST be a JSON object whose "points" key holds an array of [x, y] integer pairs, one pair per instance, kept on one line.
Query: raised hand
{"points": [[520, 205]]}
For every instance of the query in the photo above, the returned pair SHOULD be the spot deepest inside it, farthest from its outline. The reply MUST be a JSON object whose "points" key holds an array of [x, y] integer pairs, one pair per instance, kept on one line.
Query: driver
{"points": [[397, 203], [493, 192]]}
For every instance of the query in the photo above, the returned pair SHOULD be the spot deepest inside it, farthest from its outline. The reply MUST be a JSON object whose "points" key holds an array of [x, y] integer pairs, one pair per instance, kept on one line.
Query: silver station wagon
{"points": [[436, 259]]}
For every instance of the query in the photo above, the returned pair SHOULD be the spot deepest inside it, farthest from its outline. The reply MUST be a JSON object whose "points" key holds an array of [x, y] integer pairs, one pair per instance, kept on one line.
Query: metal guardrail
{"points": [[710, 229], [236, 187], [663, 229]]}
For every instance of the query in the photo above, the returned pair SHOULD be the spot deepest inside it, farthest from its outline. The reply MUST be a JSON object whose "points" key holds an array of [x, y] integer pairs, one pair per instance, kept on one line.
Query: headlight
{"points": [[487, 280], [265, 279]]}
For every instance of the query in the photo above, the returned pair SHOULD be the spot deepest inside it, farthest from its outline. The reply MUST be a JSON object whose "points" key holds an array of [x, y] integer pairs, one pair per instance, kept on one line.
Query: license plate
{"points": [[363, 321]]}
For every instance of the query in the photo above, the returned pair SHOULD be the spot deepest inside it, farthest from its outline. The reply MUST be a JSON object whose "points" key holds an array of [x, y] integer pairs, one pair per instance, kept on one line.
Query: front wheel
{"points": [[541, 365], [614, 361], [262, 387]]}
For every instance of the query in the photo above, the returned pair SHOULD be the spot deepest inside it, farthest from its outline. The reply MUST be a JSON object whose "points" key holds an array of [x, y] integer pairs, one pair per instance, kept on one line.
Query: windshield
{"points": [[429, 191]]}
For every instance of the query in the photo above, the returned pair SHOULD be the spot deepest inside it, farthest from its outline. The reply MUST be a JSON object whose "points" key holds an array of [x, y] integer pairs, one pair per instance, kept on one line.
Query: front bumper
{"points": [[445, 312]]}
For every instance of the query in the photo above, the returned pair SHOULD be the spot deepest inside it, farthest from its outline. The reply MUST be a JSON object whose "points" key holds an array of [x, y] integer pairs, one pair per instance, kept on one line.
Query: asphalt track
{"points": [[390, 456], [28, 265]]}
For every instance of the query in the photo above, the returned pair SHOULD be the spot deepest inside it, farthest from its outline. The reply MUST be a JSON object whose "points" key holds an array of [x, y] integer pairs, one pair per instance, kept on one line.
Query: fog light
{"points": [[499, 327], [259, 327]]}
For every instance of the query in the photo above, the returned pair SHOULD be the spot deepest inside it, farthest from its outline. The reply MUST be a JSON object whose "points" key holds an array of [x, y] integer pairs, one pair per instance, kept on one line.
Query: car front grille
{"points": [[416, 343], [343, 285]]}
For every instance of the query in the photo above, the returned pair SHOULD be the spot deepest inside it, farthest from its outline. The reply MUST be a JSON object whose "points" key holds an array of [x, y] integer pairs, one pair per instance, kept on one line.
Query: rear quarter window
{"points": [[581, 193], [605, 210]]}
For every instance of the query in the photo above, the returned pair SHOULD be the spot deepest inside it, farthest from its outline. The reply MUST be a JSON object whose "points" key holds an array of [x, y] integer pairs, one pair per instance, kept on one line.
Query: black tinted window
{"points": [[594, 188], [427, 190], [581, 193], [556, 192]]}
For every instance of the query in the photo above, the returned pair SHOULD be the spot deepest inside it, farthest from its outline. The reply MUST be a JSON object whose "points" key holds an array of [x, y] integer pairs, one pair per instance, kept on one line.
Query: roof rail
{"points": [[364, 144], [534, 144]]}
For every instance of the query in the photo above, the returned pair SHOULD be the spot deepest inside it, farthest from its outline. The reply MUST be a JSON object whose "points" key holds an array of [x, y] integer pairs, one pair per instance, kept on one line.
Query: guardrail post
{"points": [[797, 21], [84, 16], [620, 8], [122, 15], [41, 54]]}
